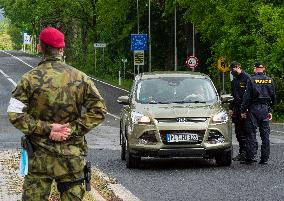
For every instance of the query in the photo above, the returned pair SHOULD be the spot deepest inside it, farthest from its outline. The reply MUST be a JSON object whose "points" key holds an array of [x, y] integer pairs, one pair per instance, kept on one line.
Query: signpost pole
{"points": [[175, 37], [103, 57], [193, 42], [124, 69], [150, 59], [95, 60], [134, 66], [119, 78], [223, 83], [99, 45]]}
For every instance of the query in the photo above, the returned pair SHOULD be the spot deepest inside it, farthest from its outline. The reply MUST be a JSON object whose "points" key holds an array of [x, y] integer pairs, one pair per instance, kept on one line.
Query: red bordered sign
{"points": [[191, 62]]}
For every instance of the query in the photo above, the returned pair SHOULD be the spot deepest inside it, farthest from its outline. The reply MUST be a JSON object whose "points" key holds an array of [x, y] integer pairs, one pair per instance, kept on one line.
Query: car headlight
{"points": [[221, 117], [138, 118]]}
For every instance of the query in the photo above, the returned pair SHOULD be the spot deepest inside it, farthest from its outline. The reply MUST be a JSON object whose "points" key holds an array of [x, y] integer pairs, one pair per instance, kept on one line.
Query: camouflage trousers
{"points": [[44, 169]]}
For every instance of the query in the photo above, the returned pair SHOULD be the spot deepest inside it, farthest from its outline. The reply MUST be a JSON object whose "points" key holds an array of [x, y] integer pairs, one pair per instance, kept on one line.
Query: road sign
{"points": [[139, 42], [138, 57], [191, 61], [222, 66], [100, 45], [26, 39]]}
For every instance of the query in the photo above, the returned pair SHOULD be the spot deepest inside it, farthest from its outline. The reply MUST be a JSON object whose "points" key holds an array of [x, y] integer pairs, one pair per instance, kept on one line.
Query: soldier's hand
{"points": [[244, 116], [60, 132], [58, 136], [59, 127], [231, 113]]}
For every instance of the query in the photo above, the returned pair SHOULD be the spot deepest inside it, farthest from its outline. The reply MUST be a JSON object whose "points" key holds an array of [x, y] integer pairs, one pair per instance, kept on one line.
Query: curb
{"points": [[117, 189], [97, 195]]}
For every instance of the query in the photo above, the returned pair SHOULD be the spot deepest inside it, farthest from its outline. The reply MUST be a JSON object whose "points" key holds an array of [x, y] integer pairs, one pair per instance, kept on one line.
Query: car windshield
{"points": [[175, 90]]}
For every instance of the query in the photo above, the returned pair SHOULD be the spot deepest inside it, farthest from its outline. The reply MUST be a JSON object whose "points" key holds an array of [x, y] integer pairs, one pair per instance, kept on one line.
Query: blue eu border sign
{"points": [[139, 42]]}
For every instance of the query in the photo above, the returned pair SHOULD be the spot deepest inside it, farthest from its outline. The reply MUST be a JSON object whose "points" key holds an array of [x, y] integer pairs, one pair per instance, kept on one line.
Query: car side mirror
{"points": [[226, 98], [124, 100]]}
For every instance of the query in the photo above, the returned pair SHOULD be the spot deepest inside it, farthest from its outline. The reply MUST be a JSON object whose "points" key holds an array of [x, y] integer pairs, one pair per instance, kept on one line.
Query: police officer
{"points": [[256, 108], [46, 106], [238, 88]]}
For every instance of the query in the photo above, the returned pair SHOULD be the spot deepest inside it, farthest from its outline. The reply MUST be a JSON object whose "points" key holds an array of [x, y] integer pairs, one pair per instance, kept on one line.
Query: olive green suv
{"points": [[174, 114]]}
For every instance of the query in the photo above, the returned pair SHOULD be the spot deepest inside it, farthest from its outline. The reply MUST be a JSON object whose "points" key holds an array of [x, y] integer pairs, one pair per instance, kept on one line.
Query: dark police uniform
{"points": [[238, 89], [257, 102]]}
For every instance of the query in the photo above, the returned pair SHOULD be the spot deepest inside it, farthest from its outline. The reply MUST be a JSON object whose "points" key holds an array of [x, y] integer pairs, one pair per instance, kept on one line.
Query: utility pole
{"points": [[150, 64], [137, 16], [175, 37], [193, 42]]}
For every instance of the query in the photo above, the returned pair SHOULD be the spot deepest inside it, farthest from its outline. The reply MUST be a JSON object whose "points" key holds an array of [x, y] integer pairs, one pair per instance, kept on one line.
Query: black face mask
{"points": [[234, 73]]}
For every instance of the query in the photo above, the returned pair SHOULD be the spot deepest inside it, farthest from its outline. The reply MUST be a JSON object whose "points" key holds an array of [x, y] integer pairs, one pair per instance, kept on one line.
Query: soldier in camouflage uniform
{"points": [[46, 106]]}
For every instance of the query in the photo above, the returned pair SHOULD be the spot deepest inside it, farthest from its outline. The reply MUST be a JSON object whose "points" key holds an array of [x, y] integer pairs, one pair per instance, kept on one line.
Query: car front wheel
{"points": [[131, 161], [122, 153]]}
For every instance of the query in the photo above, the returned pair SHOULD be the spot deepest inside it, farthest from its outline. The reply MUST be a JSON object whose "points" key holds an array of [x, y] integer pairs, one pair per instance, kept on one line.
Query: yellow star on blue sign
{"points": [[139, 41]]}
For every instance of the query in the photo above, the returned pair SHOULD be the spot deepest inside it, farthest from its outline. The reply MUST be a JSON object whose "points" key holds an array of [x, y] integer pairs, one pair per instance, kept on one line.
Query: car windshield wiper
{"points": [[189, 101], [198, 102]]}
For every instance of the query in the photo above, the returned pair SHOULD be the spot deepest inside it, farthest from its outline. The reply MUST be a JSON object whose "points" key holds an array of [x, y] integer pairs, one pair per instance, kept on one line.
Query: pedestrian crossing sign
{"points": [[138, 57]]}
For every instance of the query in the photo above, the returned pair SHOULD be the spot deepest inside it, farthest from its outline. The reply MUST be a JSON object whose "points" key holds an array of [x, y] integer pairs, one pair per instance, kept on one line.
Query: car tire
{"points": [[224, 158], [122, 152], [131, 161]]}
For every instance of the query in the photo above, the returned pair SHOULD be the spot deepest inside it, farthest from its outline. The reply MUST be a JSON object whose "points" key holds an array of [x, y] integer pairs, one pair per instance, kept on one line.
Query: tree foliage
{"points": [[241, 30]]}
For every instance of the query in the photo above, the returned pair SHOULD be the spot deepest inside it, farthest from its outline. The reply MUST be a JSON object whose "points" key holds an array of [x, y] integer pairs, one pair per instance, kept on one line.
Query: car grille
{"points": [[200, 134], [181, 119]]}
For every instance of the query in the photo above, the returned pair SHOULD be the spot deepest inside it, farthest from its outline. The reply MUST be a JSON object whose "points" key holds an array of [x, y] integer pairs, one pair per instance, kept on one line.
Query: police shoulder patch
{"points": [[268, 81]]}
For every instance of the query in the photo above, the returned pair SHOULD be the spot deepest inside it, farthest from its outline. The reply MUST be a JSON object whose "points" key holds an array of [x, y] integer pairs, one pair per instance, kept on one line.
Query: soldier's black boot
{"points": [[263, 162], [240, 157], [248, 161]]}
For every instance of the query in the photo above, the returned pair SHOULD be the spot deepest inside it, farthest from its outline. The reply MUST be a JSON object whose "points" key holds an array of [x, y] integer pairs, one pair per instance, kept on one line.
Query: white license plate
{"points": [[182, 137]]}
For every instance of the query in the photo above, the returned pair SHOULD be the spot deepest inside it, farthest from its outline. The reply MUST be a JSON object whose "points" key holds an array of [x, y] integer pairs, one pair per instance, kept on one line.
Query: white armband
{"points": [[15, 106]]}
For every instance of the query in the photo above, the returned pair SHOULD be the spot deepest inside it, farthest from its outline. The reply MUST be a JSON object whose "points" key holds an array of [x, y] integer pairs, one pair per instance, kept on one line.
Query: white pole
{"points": [[193, 42], [223, 83], [124, 69], [138, 17], [175, 37], [134, 65], [119, 78], [150, 59], [95, 60], [138, 25], [103, 57]]}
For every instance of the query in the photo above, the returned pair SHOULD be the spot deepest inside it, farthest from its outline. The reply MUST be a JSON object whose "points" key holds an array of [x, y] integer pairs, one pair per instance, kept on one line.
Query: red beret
{"points": [[52, 37]]}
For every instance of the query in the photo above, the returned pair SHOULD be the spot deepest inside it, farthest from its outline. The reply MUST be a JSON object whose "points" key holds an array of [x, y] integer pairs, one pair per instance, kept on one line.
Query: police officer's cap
{"points": [[259, 64], [52, 37], [234, 64]]}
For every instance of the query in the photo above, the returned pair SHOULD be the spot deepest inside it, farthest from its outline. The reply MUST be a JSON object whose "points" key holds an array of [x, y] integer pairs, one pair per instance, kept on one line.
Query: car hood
{"points": [[178, 110]]}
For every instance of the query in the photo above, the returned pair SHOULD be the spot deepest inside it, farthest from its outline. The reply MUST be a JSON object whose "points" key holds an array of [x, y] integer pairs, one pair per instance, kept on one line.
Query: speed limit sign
{"points": [[191, 62]]}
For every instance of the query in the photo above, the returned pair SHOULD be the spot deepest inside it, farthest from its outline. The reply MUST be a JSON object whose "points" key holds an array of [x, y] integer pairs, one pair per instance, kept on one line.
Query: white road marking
{"points": [[276, 131], [116, 117], [17, 58], [8, 78], [109, 84]]}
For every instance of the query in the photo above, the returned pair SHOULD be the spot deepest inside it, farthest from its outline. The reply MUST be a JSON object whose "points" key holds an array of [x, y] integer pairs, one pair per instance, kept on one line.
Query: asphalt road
{"points": [[156, 180]]}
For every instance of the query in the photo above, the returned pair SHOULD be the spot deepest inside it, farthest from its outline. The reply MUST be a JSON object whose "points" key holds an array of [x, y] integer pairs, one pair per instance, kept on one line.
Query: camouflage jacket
{"points": [[55, 92]]}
